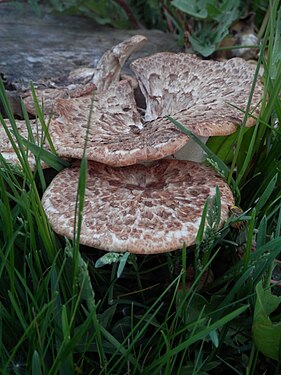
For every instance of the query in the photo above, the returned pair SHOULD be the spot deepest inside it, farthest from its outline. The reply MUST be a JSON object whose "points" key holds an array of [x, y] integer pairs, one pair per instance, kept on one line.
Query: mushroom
{"points": [[202, 95], [134, 207], [116, 134], [143, 209], [7, 150], [109, 66]]}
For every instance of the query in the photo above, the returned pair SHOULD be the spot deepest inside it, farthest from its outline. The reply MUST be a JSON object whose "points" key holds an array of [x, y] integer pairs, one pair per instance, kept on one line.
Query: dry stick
{"points": [[169, 23], [134, 22]]}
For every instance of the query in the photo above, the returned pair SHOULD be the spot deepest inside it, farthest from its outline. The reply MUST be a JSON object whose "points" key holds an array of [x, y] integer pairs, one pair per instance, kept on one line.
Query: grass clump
{"points": [[64, 309]]}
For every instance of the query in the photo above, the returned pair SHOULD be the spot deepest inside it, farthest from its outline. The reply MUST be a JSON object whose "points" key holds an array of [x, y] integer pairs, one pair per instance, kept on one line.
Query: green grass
{"points": [[64, 310]]}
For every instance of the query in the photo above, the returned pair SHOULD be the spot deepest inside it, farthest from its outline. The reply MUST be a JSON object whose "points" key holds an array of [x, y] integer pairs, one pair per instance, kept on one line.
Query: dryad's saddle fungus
{"points": [[133, 207], [116, 134], [201, 94], [207, 97], [109, 66], [140, 209]]}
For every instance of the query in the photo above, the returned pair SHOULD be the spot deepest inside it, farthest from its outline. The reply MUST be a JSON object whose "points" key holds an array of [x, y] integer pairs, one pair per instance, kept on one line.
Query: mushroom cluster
{"points": [[138, 197]]}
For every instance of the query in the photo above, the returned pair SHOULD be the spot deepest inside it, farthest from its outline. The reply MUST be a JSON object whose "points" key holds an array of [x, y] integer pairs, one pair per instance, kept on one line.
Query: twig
{"points": [[168, 19], [134, 22]]}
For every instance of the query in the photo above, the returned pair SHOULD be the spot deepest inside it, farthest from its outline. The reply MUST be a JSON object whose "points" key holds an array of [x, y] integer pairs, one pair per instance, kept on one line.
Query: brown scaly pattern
{"points": [[140, 209], [198, 93], [116, 134]]}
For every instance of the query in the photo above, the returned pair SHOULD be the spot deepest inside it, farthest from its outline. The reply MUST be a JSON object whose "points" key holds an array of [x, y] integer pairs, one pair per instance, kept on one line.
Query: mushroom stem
{"points": [[191, 151]]}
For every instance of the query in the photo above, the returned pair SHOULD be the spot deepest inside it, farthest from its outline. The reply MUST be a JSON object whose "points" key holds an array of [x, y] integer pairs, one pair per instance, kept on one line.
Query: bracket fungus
{"points": [[143, 209], [116, 135], [129, 205], [207, 97]]}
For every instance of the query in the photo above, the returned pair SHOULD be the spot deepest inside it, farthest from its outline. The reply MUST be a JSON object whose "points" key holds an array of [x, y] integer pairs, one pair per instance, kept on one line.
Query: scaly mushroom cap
{"points": [[116, 134], [6, 148], [200, 94], [140, 209]]}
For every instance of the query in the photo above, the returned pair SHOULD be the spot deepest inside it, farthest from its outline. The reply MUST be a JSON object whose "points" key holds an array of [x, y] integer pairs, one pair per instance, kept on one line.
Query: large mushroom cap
{"points": [[198, 93], [116, 133], [140, 209]]}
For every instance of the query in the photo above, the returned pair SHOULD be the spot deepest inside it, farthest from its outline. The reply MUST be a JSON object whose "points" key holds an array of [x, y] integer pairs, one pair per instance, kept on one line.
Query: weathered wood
{"points": [[36, 49]]}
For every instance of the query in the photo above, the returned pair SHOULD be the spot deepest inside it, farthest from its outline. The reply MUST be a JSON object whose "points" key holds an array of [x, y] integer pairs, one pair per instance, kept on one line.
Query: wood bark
{"points": [[39, 48]]}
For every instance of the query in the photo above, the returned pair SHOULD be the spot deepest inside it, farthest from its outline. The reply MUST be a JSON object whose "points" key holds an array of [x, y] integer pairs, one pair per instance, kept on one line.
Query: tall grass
{"points": [[62, 314]]}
